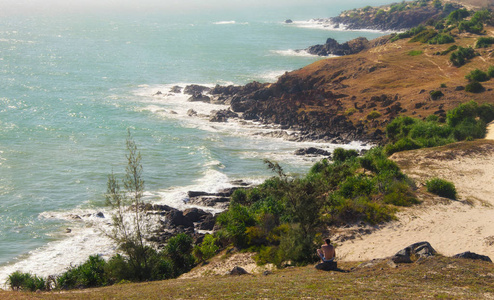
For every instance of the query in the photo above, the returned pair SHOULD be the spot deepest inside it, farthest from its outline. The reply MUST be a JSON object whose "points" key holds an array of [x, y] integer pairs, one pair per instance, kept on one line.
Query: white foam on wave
{"points": [[68, 250], [327, 24], [299, 53], [224, 22], [272, 76]]}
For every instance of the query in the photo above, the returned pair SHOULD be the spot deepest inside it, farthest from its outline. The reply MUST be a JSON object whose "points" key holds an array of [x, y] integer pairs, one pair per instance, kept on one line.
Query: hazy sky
{"points": [[57, 6]]}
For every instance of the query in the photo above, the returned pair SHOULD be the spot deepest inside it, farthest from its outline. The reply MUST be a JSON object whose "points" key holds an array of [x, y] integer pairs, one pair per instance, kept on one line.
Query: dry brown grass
{"points": [[435, 278]]}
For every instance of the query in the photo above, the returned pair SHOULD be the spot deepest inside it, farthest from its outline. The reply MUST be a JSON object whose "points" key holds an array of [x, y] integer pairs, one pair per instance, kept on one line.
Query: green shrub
{"points": [[450, 48], [424, 36], [412, 32], [179, 251], [356, 186], [373, 115], [402, 145], [461, 56], [399, 194], [341, 155], [26, 282], [486, 112], [415, 52], [469, 129], [399, 127], [90, 274], [484, 42], [208, 248], [474, 87], [234, 222], [458, 15], [490, 71], [462, 112], [441, 39], [441, 188], [477, 75], [436, 94]]}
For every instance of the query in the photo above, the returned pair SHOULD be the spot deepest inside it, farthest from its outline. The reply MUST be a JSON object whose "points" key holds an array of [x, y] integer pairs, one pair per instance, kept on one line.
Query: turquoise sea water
{"points": [[72, 83]]}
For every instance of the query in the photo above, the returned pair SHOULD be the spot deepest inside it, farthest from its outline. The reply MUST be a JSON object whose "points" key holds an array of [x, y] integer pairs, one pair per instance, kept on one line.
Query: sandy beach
{"points": [[450, 226]]}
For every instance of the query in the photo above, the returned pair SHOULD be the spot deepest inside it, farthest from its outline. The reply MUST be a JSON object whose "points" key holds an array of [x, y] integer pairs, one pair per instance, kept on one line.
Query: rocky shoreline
{"points": [[272, 104]]}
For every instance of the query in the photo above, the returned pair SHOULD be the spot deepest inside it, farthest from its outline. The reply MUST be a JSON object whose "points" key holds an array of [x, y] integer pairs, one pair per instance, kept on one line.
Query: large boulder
{"points": [[199, 97], [195, 89], [472, 255], [177, 218], [238, 271], [208, 223], [222, 115], [312, 152], [327, 266], [194, 214], [176, 89], [421, 249]]}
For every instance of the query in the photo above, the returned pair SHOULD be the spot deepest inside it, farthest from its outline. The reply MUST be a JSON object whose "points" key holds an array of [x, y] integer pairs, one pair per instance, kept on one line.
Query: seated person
{"points": [[327, 252]]}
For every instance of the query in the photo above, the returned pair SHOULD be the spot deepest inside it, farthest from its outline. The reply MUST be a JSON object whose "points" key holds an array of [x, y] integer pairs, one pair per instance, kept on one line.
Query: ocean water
{"points": [[74, 81]]}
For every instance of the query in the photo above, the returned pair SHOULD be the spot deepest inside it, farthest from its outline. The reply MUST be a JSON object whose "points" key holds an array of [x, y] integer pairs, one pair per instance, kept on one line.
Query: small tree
{"points": [[129, 225]]}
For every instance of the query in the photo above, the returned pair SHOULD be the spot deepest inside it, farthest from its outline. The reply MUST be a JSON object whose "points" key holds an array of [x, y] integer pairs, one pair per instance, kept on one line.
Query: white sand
{"points": [[451, 227]]}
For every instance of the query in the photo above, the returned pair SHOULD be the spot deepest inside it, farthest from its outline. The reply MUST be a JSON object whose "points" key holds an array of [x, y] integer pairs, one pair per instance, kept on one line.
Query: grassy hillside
{"points": [[436, 278]]}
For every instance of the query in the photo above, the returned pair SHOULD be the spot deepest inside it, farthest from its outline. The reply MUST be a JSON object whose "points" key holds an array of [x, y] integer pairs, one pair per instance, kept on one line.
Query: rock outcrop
{"points": [[471, 255], [414, 251], [332, 47]]}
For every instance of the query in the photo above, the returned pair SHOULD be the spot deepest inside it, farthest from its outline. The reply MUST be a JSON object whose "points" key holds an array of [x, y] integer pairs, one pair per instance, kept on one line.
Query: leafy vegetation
{"points": [[415, 52], [484, 42], [436, 94], [461, 56], [474, 87], [19, 281], [490, 71], [441, 188], [281, 218], [476, 23], [477, 75], [467, 121]]}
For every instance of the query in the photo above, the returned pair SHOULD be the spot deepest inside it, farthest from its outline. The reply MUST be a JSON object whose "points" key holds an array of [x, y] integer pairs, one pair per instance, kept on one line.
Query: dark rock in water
{"points": [[288, 21], [222, 115], [199, 97], [327, 266], [191, 113], [210, 201], [158, 93], [238, 271], [192, 194], [195, 89], [208, 223], [194, 214], [177, 218], [312, 151], [176, 89], [421, 249], [100, 215], [332, 47], [472, 255]]}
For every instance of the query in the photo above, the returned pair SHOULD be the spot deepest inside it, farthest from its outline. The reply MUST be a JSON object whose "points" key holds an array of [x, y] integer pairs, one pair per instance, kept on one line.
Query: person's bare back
{"points": [[327, 251]]}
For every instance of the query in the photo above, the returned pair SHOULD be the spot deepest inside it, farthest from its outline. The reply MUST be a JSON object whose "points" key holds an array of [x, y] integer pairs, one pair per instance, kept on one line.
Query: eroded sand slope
{"points": [[450, 226]]}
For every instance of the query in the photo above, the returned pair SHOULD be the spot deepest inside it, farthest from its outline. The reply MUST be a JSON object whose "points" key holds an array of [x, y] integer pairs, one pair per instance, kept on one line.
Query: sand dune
{"points": [[450, 226]]}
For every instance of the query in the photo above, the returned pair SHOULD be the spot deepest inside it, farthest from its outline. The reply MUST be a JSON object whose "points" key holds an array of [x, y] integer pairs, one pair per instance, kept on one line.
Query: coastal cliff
{"points": [[354, 97]]}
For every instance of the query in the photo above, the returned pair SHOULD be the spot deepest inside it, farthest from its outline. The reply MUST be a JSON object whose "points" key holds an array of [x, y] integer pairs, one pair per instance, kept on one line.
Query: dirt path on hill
{"points": [[450, 226]]}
